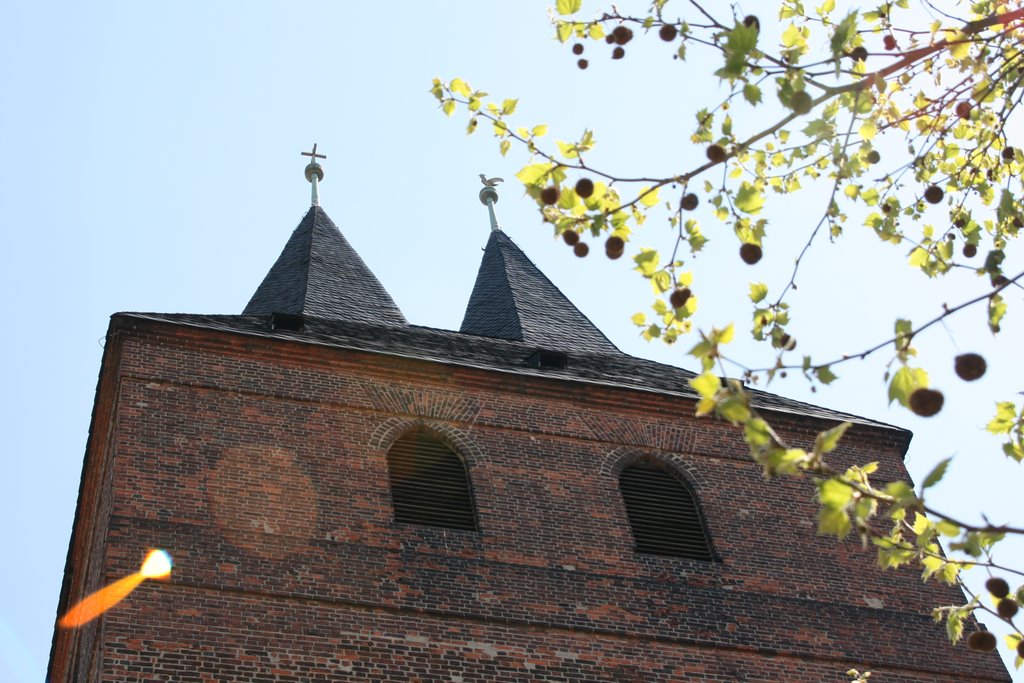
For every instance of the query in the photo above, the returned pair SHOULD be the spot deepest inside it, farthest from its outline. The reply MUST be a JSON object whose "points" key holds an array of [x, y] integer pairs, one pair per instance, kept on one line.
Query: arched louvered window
{"points": [[429, 484], [663, 513]]}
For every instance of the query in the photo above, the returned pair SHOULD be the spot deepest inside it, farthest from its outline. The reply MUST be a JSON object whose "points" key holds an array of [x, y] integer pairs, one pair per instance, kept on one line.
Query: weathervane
{"points": [[489, 197], [314, 173]]}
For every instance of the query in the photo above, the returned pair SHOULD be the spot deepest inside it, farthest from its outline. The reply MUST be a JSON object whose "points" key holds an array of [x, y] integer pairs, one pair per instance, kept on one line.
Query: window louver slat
{"points": [[663, 514], [429, 484]]}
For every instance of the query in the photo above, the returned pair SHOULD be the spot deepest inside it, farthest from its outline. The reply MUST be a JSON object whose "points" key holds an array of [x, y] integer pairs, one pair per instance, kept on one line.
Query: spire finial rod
{"points": [[489, 197], [314, 173]]}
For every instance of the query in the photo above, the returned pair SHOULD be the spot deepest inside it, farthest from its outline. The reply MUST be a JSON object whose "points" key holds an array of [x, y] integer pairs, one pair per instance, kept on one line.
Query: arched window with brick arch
{"points": [[663, 513], [429, 483]]}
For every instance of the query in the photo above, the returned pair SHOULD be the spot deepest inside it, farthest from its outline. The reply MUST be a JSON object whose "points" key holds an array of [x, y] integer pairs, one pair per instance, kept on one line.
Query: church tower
{"points": [[347, 496]]}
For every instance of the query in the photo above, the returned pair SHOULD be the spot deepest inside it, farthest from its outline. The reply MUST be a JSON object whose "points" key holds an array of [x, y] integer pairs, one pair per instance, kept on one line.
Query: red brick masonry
{"points": [[259, 464]]}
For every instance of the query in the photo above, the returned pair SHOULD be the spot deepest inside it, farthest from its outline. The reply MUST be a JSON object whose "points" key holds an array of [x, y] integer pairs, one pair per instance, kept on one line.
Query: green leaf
{"points": [[955, 625], [936, 475], [918, 257], [904, 382], [701, 351], [758, 291], [661, 281], [824, 374], [752, 94], [448, 107], [742, 39], [646, 261], [649, 197], [459, 87], [757, 433], [996, 311], [827, 441], [946, 572], [844, 33], [587, 141], [567, 149], [706, 384], [695, 237], [921, 524], [734, 409], [833, 522], [892, 556], [820, 129], [749, 198], [959, 44], [795, 38], [567, 7], [835, 494], [1005, 418], [532, 174], [539, 130], [1015, 450], [901, 493], [868, 130], [509, 106], [779, 461], [904, 329]]}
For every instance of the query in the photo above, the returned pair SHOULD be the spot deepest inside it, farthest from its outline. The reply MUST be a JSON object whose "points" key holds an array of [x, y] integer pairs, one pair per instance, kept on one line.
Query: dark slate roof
{"points": [[319, 274], [614, 368], [513, 300]]}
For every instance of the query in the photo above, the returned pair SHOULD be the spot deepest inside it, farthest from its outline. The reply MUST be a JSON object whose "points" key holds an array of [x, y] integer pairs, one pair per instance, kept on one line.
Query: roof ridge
{"points": [[616, 369], [308, 260]]}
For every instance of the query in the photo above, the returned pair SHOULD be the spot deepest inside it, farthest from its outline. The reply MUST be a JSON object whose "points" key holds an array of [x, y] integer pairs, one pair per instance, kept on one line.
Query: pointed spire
{"points": [[319, 274], [512, 299]]}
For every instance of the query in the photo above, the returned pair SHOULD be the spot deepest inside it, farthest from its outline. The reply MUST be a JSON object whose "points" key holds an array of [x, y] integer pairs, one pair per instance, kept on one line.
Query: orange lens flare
{"points": [[100, 601], [156, 565]]}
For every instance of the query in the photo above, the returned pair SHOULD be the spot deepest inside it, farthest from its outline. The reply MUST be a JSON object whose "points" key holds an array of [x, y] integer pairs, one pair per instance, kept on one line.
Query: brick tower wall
{"points": [[260, 466]]}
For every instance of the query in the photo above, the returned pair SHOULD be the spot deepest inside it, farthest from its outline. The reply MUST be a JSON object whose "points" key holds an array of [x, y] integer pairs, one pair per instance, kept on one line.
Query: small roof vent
{"points": [[553, 360], [293, 322]]}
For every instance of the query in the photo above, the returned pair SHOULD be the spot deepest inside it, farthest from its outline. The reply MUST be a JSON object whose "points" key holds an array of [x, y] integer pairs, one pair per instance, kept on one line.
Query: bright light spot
{"points": [[156, 565]]}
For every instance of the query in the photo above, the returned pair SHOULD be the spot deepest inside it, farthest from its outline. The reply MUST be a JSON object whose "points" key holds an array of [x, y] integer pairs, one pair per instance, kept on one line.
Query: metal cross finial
{"points": [[314, 156], [314, 173]]}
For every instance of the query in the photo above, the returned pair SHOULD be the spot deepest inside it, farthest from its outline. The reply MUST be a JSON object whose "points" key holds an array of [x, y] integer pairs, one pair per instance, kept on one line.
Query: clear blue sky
{"points": [[149, 161]]}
